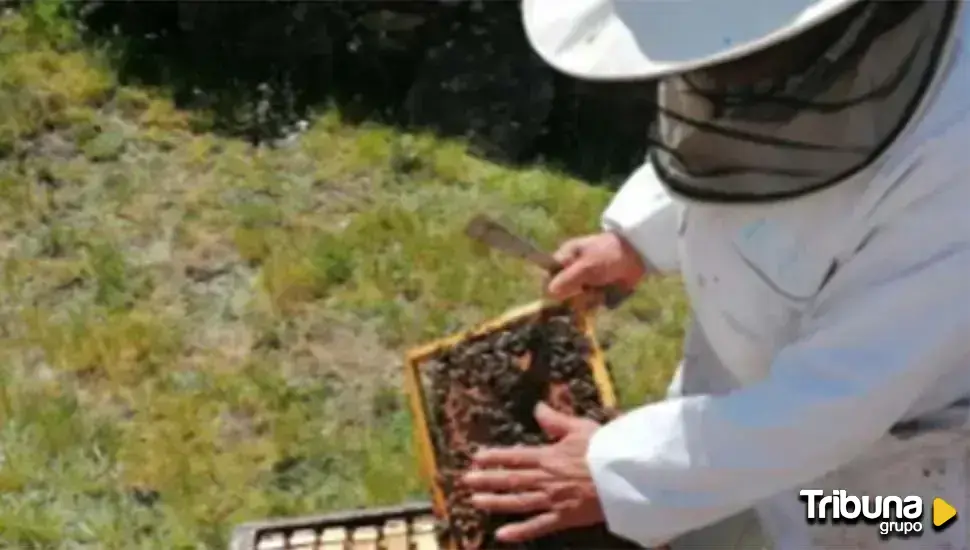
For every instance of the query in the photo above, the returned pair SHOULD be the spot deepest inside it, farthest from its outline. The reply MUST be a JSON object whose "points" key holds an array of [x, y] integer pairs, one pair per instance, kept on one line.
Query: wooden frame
{"points": [[582, 314]]}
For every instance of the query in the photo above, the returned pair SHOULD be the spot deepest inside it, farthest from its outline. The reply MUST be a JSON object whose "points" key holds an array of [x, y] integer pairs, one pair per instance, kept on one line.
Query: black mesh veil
{"points": [[804, 114]]}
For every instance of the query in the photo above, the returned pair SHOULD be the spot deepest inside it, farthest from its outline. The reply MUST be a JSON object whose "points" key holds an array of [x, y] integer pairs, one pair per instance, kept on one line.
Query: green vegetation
{"points": [[198, 333]]}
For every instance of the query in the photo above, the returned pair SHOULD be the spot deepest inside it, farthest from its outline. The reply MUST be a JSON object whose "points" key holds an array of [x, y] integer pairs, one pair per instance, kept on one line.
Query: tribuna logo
{"points": [[893, 514]]}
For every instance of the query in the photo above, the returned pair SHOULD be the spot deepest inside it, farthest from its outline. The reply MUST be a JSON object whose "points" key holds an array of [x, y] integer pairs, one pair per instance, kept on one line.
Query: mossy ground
{"points": [[197, 332]]}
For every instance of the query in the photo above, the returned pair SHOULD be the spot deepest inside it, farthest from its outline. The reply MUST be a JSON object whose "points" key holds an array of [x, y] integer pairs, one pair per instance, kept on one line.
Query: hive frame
{"points": [[583, 314]]}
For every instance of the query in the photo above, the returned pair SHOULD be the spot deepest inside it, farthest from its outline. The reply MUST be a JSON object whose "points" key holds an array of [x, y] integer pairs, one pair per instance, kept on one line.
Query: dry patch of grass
{"points": [[198, 333]]}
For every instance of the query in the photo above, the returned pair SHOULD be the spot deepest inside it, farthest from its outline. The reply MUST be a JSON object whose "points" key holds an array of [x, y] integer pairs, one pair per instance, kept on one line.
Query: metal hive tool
{"points": [[490, 232]]}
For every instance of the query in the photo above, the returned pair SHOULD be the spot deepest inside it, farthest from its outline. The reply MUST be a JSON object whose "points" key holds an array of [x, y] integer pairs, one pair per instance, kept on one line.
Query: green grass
{"points": [[197, 333]]}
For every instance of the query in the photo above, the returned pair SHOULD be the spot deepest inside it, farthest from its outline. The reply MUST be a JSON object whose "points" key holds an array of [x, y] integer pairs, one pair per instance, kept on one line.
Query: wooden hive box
{"points": [[406, 527], [437, 446]]}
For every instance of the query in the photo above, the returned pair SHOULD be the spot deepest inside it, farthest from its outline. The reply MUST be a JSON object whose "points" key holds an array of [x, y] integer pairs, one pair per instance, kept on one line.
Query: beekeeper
{"points": [[809, 178]]}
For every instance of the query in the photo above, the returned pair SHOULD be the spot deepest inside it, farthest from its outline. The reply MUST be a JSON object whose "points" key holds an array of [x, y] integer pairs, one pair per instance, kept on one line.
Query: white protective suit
{"points": [[820, 322]]}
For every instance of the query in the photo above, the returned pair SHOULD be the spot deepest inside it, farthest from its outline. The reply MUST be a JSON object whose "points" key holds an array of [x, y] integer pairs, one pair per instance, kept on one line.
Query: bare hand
{"points": [[593, 261], [551, 482]]}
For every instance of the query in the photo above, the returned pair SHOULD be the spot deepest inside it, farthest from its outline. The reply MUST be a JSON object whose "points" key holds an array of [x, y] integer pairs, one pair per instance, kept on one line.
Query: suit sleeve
{"points": [[644, 214], [892, 322]]}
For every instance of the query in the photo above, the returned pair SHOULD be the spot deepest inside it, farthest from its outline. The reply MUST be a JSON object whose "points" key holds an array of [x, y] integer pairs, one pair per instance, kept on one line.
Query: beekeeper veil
{"points": [[756, 99]]}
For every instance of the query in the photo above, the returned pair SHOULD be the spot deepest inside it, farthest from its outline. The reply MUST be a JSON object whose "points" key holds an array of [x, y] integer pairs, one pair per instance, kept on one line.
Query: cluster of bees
{"points": [[483, 392]]}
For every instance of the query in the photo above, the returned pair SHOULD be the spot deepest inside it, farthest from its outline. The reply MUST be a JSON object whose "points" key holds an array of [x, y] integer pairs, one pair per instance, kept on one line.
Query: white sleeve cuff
{"points": [[624, 515], [644, 214]]}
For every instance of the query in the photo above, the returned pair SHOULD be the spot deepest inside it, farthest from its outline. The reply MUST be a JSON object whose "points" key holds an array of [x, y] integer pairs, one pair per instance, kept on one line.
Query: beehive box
{"points": [[473, 389], [407, 527]]}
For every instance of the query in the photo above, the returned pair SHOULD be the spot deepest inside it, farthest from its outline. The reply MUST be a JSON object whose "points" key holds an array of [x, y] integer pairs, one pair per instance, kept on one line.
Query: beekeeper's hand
{"points": [[551, 483], [593, 261]]}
